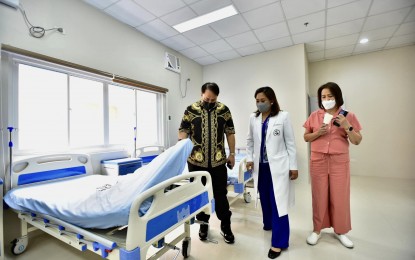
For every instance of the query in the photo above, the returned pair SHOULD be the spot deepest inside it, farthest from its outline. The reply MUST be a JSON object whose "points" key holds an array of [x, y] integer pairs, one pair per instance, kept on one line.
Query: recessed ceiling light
{"points": [[364, 40], [206, 19]]}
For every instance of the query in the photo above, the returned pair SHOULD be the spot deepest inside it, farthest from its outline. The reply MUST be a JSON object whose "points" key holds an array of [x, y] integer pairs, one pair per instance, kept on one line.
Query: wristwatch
{"points": [[350, 129]]}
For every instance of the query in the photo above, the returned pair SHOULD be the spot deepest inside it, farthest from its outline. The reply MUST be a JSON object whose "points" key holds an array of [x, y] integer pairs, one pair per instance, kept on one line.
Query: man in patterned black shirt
{"points": [[207, 122]]}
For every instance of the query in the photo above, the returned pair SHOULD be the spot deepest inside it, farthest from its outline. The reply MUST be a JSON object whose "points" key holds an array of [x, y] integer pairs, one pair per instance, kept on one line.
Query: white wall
{"points": [[95, 40], [284, 70], [379, 88]]}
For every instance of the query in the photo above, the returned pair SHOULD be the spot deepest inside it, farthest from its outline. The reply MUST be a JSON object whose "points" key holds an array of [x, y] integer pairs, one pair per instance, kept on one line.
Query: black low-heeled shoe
{"points": [[272, 254]]}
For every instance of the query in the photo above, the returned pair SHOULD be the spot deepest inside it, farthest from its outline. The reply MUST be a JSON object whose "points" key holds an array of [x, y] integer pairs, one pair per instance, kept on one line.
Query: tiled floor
{"points": [[383, 221]]}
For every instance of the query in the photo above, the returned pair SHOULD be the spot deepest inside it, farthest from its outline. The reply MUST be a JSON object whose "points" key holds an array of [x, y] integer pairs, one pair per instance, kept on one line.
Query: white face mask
{"points": [[328, 104]]}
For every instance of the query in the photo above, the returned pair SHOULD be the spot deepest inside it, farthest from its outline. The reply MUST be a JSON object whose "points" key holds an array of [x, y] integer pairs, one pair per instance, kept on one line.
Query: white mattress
{"points": [[99, 201]]}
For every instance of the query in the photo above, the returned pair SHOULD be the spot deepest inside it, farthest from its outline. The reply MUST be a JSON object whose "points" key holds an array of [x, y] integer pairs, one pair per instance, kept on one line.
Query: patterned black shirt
{"points": [[207, 131]]}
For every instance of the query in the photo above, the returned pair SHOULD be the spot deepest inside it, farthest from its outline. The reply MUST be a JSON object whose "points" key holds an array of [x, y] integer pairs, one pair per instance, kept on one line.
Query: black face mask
{"points": [[208, 106]]}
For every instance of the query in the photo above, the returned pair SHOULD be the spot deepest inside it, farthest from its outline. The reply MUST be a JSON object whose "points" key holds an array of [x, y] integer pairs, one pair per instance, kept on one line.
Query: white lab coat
{"points": [[281, 151]]}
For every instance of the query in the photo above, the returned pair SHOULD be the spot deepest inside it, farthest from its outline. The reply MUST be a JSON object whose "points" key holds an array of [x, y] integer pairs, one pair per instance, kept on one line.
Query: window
{"points": [[42, 109], [58, 109], [147, 123], [86, 112], [121, 112]]}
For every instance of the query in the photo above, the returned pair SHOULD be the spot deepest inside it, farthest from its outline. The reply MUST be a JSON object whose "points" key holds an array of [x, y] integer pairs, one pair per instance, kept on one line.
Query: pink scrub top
{"points": [[336, 140]]}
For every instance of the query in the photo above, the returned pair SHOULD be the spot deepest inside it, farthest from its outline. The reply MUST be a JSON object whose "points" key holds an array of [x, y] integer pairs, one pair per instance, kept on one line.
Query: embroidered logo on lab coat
{"points": [[276, 132]]}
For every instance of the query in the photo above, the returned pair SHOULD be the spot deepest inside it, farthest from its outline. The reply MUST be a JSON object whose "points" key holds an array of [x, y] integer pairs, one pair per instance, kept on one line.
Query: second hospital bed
{"points": [[238, 176], [114, 229]]}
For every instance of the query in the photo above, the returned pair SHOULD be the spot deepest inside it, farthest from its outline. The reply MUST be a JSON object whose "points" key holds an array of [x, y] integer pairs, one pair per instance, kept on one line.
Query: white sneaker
{"points": [[313, 238], [344, 240]]}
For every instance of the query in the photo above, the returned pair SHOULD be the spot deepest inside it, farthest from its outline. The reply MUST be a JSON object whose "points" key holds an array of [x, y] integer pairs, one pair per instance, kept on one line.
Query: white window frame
{"points": [[12, 61]]}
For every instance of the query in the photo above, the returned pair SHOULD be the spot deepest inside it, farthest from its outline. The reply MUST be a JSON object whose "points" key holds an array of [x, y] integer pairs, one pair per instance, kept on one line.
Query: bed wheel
{"points": [[247, 197], [19, 245], [186, 247]]}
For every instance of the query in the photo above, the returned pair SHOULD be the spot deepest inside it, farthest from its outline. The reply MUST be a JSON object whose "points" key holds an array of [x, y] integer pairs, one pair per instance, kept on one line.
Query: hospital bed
{"points": [[168, 210], [1, 222], [239, 176], [148, 153]]}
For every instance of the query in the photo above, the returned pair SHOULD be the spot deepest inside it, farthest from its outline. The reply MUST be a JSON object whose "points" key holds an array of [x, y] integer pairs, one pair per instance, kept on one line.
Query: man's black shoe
{"points": [[227, 234], [203, 231]]}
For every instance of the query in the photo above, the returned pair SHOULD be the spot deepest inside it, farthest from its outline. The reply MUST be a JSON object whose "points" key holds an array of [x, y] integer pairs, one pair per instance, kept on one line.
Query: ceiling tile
{"points": [[252, 49], [216, 46], [230, 26], [314, 46], [307, 23], [264, 16], [207, 60], [157, 29], [178, 42], [333, 30], [179, 16], [130, 13], [311, 36], [411, 16], [370, 46], [296, 8], [190, 1], [401, 40], [378, 34], [201, 35], [227, 55], [334, 3], [278, 43], [242, 40], [406, 28], [386, 19], [315, 56], [100, 4], [382, 6], [247, 5], [271, 32], [207, 6], [342, 41], [348, 12], [339, 52], [346, 28], [160, 7], [194, 52]]}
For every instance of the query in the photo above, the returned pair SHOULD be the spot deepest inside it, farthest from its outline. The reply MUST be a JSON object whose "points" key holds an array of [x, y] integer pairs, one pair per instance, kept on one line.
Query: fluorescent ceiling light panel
{"points": [[364, 40], [206, 19]]}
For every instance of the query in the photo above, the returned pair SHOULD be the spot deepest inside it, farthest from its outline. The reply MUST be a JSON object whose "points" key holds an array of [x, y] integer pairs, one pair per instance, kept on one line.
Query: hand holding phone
{"points": [[342, 112]]}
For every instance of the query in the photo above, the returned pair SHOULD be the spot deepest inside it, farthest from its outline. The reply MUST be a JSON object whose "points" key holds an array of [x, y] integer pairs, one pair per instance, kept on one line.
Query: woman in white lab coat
{"points": [[271, 155]]}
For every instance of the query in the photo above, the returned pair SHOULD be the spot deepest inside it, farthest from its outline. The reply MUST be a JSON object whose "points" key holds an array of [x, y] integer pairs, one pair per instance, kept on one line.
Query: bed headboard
{"points": [[150, 150], [49, 167]]}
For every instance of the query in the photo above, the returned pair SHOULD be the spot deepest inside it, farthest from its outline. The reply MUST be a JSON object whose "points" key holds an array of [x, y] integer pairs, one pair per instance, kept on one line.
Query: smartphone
{"points": [[342, 112]]}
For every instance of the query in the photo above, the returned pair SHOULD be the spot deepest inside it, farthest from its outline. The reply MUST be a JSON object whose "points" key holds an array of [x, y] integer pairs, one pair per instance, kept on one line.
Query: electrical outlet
{"points": [[11, 3]]}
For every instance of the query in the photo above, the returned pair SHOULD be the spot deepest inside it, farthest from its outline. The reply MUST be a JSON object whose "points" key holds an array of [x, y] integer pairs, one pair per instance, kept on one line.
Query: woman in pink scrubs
{"points": [[329, 130]]}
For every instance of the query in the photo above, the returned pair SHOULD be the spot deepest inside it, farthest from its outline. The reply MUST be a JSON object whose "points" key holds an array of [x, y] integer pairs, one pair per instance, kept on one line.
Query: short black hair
{"points": [[270, 94], [335, 91], [212, 87]]}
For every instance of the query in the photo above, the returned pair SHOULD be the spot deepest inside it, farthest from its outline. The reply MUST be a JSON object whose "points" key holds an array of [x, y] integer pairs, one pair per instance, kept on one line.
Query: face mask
{"points": [[208, 106], [263, 106], [328, 104]]}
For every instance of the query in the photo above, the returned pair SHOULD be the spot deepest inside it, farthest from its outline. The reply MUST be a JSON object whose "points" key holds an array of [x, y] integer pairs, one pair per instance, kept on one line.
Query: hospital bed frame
{"points": [[169, 210], [148, 153], [244, 176]]}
